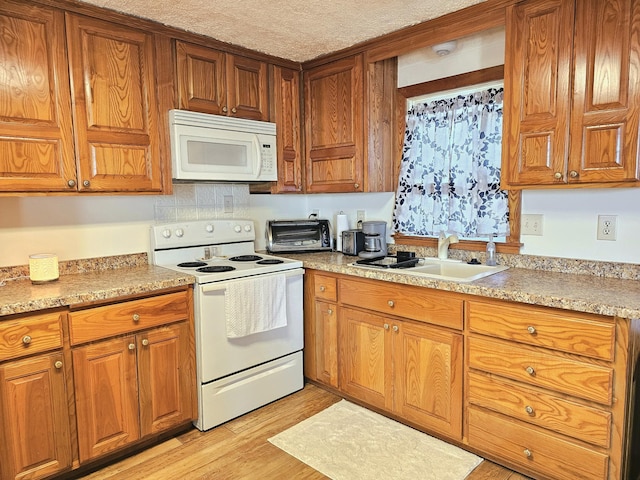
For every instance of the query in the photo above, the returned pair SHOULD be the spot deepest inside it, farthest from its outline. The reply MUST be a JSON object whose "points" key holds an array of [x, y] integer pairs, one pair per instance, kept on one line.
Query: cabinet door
{"points": [[334, 126], [428, 377], [365, 357], [34, 430], [247, 88], [36, 142], [106, 396], [606, 102], [164, 376], [326, 347], [538, 82], [115, 106], [201, 79], [286, 110]]}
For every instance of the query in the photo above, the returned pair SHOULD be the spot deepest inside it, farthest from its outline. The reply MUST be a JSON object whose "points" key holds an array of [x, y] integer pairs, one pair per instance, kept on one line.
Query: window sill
{"points": [[470, 245]]}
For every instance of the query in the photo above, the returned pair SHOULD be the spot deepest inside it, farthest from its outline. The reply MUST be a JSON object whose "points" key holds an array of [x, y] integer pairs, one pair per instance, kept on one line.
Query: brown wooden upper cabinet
{"points": [[286, 113], [334, 126], [350, 116], [107, 72], [572, 77], [211, 81]]}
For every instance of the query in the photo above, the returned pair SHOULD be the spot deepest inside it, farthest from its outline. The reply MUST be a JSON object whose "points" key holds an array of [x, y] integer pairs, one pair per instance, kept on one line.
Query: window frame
{"points": [[512, 243]]}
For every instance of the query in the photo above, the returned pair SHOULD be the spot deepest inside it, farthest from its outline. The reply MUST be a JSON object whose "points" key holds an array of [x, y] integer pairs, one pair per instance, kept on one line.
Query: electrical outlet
{"points": [[607, 227], [360, 216], [532, 224], [228, 204]]}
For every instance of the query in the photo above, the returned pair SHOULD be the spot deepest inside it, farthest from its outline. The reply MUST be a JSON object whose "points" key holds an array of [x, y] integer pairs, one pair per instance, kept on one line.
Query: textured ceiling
{"points": [[293, 29]]}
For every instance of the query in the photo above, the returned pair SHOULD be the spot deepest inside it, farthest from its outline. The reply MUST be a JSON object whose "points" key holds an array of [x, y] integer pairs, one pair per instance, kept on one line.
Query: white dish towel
{"points": [[255, 304]]}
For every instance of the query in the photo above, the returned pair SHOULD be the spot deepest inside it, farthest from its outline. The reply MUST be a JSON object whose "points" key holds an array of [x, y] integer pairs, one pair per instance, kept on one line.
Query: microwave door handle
{"points": [[256, 144]]}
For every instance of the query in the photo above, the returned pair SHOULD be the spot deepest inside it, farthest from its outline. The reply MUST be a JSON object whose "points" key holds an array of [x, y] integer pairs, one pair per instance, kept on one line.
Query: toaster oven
{"points": [[310, 235]]}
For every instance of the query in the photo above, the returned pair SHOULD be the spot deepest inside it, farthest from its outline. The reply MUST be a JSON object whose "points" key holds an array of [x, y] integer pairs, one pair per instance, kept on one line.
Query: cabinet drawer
{"points": [[101, 322], [415, 303], [27, 335], [324, 287], [585, 423], [579, 334], [533, 450], [537, 367]]}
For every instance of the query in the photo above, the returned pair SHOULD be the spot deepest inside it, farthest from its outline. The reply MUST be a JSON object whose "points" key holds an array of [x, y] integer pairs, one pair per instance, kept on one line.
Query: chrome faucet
{"points": [[443, 244]]}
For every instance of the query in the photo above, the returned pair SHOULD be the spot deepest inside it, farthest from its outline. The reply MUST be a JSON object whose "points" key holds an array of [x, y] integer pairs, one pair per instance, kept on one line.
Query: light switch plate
{"points": [[532, 224]]}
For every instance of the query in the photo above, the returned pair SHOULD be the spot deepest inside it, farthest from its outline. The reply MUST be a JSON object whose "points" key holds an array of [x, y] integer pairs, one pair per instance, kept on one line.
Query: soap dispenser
{"points": [[491, 252]]}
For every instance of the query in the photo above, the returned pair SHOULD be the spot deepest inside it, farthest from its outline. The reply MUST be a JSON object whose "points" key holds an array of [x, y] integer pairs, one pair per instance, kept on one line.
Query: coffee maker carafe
{"points": [[375, 239]]}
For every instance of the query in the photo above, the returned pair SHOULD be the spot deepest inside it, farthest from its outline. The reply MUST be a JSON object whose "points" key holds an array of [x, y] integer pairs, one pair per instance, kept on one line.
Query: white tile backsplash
{"points": [[201, 201]]}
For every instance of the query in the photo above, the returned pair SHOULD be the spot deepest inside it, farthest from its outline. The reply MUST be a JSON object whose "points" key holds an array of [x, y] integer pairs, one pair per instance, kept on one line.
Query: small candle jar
{"points": [[43, 267]]}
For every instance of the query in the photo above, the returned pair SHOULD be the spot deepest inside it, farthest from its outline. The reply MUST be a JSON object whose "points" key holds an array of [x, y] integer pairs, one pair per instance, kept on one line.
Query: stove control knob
{"points": [[247, 228], [237, 229], [209, 228], [179, 232], [166, 233]]}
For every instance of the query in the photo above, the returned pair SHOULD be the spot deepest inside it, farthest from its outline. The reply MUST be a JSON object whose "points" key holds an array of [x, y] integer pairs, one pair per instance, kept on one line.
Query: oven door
{"points": [[219, 356]]}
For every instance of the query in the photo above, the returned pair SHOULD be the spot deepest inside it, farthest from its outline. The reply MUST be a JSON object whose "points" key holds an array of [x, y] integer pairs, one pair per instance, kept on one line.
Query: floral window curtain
{"points": [[450, 171]]}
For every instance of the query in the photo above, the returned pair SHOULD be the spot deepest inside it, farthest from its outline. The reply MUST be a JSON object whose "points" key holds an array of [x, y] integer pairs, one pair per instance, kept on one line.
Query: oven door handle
{"points": [[221, 286]]}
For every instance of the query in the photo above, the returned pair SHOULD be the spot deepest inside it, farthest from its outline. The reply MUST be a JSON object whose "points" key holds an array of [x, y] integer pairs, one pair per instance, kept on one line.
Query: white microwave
{"points": [[217, 148]]}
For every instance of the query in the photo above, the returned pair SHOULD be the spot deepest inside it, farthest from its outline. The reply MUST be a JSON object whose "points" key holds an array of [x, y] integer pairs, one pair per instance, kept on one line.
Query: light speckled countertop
{"points": [[577, 292], [106, 281]]}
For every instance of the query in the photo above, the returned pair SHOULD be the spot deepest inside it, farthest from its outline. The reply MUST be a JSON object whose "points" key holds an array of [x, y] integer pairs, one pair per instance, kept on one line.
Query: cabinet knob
{"points": [[557, 176], [573, 174], [390, 303], [136, 317], [71, 183], [322, 288], [132, 346], [58, 364], [530, 370], [329, 312], [531, 329], [145, 342], [529, 409], [356, 185], [299, 186], [225, 109], [234, 110], [395, 328], [26, 339], [386, 326], [527, 453], [86, 183]]}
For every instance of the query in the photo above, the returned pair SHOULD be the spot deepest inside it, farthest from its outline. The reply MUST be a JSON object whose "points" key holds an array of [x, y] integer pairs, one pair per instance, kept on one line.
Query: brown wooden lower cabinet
{"points": [[105, 376], [543, 391], [35, 418]]}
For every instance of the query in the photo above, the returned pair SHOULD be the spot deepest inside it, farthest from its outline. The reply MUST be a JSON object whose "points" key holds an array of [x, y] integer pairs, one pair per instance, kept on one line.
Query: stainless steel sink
{"points": [[452, 270]]}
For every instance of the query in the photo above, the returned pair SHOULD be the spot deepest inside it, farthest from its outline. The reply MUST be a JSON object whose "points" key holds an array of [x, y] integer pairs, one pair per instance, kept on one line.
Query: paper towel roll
{"points": [[342, 223]]}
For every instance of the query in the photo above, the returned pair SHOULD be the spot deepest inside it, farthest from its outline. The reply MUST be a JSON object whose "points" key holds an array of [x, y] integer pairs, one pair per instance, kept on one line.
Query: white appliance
{"points": [[218, 148], [235, 374]]}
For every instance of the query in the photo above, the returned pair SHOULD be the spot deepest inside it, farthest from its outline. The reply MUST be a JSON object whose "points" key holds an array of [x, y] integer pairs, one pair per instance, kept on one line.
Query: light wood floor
{"points": [[239, 449]]}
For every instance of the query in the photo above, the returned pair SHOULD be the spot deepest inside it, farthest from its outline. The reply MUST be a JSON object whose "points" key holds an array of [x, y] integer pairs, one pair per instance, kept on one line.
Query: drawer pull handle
{"points": [[529, 409], [329, 312], [395, 328], [390, 303], [527, 453], [322, 288], [58, 364], [132, 346], [26, 339], [531, 329], [136, 317], [530, 371], [145, 342], [386, 326]]}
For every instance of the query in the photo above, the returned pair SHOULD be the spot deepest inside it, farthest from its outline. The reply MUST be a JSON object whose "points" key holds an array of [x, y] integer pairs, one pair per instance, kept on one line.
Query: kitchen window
{"points": [[449, 178]]}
